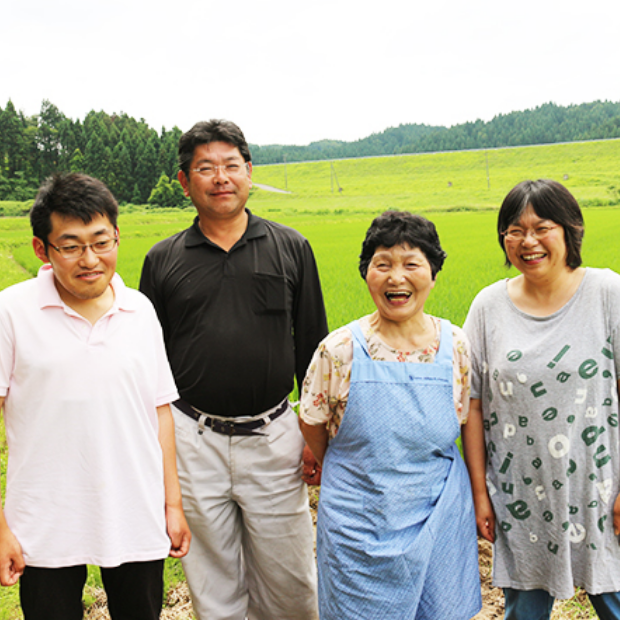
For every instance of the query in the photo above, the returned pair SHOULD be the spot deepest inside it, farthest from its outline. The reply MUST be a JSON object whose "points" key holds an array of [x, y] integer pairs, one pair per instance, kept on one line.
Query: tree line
{"points": [[139, 164], [546, 124], [128, 155]]}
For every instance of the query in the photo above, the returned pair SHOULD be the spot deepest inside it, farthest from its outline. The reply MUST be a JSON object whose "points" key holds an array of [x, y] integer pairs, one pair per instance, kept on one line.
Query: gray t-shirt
{"points": [[549, 395]]}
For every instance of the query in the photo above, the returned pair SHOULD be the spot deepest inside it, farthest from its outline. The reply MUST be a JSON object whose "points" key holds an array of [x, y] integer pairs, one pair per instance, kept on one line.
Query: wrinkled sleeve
{"points": [[325, 389]]}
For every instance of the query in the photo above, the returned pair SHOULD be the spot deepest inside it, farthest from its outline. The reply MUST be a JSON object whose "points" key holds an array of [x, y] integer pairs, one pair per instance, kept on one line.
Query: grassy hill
{"points": [[441, 181]]}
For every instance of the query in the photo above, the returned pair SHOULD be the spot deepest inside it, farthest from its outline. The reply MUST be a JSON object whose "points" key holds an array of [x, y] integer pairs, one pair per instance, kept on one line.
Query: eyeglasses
{"points": [[230, 170], [77, 250], [518, 234]]}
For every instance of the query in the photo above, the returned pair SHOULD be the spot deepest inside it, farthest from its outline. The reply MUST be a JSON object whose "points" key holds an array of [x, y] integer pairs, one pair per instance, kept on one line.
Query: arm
{"points": [[309, 318], [151, 290], [12, 562], [617, 503], [176, 525], [475, 457], [316, 439]]}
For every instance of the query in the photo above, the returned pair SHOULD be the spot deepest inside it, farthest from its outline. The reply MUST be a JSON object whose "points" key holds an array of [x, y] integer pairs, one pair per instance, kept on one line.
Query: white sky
{"points": [[292, 72]]}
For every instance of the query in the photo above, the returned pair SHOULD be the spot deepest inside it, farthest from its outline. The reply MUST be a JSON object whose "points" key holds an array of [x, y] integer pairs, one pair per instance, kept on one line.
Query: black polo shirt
{"points": [[238, 325]]}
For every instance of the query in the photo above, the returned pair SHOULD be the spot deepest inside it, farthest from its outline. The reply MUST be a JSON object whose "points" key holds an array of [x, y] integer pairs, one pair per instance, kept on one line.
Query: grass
{"points": [[444, 181]]}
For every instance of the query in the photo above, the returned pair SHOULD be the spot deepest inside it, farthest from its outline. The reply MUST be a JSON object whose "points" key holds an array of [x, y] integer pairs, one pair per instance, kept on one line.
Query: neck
{"points": [[224, 232], [545, 296], [552, 286], [91, 309], [416, 333]]}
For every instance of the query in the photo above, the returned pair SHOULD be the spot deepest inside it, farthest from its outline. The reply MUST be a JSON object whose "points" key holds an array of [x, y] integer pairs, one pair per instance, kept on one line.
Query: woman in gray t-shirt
{"points": [[545, 472]]}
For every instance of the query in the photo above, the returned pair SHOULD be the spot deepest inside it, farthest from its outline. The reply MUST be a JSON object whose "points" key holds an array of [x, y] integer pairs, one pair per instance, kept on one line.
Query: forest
{"points": [[138, 163]]}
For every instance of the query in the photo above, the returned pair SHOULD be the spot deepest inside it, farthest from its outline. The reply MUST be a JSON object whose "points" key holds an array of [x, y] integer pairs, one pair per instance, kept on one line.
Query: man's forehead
{"points": [[64, 226], [220, 151]]}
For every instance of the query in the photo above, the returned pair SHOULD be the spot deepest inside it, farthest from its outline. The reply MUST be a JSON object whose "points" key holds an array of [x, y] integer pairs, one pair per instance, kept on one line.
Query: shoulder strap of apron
{"points": [[445, 354], [360, 346]]}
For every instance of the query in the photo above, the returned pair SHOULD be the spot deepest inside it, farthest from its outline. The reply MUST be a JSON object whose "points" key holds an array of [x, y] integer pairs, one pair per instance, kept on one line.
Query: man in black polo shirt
{"points": [[241, 307]]}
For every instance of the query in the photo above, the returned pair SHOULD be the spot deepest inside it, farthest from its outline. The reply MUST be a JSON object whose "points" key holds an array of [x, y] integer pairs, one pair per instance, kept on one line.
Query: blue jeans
{"points": [[537, 604]]}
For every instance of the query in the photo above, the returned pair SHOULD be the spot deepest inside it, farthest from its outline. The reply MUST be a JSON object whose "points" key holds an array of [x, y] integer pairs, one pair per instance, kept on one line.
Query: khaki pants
{"points": [[252, 548]]}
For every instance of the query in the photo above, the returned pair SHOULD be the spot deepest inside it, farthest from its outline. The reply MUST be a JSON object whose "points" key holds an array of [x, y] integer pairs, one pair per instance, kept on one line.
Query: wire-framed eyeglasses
{"points": [[230, 170], [518, 234], [76, 250]]}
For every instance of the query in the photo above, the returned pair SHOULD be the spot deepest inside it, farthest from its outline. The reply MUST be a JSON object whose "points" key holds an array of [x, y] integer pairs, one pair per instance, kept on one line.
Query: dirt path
{"points": [[270, 188]]}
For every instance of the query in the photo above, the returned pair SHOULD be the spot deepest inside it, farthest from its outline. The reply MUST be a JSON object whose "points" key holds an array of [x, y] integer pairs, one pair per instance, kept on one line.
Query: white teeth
{"points": [[391, 294], [532, 256]]}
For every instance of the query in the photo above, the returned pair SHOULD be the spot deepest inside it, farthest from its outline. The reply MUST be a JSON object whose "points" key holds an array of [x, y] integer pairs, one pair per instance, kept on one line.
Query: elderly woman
{"points": [[381, 408], [544, 385]]}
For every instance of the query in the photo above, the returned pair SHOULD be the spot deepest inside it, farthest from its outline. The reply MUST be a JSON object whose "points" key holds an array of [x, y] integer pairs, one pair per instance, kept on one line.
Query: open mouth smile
{"points": [[533, 257], [398, 296]]}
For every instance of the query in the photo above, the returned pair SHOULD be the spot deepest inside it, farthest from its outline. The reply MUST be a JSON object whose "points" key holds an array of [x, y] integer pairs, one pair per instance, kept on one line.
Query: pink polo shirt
{"points": [[85, 471]]}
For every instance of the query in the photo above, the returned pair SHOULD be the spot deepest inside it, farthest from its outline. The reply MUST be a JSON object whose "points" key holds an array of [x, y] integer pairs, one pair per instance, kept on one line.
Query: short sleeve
{"points": [[7, 349], [166, 387], [325, 389], [473, 329], [611, 286]]}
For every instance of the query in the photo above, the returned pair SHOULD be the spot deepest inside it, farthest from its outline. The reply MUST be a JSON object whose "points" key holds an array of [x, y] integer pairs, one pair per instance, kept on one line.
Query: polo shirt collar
{"points": [[49, 297], [256, 228]]}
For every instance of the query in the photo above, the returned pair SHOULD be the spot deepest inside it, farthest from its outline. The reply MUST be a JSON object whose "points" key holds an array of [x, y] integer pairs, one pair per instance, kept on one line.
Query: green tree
{"points": [[167, 193], [94, 156], [146, 171], [77, 161], [122, 169], [48, 139], [13, 144], [136, 196]]}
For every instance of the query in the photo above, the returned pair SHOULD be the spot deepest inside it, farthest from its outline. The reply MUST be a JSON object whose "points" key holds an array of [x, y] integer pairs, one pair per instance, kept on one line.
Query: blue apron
{"points": [[396, 532]]}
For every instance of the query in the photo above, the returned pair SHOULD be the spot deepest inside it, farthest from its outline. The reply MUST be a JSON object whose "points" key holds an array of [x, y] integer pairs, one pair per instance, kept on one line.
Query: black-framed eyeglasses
{"points": [[76, 250]]}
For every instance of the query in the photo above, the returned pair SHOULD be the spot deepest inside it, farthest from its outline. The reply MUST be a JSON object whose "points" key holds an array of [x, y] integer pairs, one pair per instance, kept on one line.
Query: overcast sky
{"points": [[294, 72]]}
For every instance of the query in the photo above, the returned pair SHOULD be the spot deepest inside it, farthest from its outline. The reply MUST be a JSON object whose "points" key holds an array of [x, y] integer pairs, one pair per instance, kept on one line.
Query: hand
{"points": [[178, 532], [617, 516], [485, 517], [12, 562], [311, 473]]}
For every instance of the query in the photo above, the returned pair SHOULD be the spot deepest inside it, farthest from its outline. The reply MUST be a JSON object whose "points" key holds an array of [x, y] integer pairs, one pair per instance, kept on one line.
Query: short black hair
{"points": [[205, 132], [398, 227], [72, 195], [550, 200]]}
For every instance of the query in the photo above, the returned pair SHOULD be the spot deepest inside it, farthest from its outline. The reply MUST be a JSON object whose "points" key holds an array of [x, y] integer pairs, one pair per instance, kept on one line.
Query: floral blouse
{"points": [[325, 389]]}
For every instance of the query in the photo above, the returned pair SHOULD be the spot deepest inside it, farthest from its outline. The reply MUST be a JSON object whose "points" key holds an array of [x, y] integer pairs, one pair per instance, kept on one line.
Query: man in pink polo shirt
{"points": [[85, 386]]}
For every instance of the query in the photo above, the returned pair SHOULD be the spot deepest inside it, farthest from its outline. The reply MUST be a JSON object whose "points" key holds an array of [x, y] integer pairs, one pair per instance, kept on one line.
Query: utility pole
{"points": [[334, 176], [486, 156]]}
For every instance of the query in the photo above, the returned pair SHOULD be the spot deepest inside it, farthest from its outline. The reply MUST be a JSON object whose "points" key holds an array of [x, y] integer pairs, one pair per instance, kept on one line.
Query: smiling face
{"points": [[536, 258], [399, 280], [85, 278], [223, 195]]}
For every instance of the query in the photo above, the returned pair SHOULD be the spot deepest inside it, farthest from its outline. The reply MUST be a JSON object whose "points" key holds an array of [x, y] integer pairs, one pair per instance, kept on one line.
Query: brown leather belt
{"points": [[231, 427]]}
